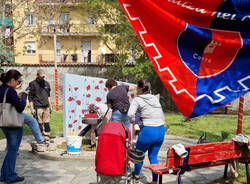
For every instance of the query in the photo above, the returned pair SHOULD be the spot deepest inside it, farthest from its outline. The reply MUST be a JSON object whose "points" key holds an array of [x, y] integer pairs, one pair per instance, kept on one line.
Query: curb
{"points": [[84, 156], [58, 154]]}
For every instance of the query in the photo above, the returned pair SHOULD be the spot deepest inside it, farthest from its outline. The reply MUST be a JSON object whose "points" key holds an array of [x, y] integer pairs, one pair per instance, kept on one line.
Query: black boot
{"points": [[47, 130], [47, 127], [41, 127]]}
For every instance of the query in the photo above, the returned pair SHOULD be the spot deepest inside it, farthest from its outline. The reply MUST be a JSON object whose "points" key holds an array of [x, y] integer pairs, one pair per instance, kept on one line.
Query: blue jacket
{"points": [[12, 97]]}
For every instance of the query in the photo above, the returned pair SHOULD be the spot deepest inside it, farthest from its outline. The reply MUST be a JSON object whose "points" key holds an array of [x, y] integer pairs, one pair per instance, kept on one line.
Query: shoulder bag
{"points": [[9, 117]]}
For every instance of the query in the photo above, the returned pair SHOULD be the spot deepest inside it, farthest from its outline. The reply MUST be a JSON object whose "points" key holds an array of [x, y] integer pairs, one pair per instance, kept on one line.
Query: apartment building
{"points": [[49, 24]]}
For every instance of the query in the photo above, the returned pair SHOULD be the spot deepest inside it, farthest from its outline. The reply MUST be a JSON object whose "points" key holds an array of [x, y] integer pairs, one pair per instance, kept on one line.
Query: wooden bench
{"points": [[202, 156]]}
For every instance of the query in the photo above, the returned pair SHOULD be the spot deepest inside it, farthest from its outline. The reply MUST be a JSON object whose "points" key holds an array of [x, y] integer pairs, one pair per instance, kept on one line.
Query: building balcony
{"points": [[76, 58], [71, 58], [70, 30]]}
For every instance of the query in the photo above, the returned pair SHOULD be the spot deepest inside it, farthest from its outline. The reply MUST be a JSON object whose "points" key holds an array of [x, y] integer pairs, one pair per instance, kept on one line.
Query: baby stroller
{"points": [[111, 160], [114, 153]]}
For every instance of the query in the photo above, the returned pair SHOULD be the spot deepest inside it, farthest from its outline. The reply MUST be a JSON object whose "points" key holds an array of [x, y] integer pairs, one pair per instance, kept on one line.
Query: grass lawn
{"points": [[213, 125]]}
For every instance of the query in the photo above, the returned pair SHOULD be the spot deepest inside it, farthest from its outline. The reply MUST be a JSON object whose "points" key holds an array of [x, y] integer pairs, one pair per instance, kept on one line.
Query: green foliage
{"points": [[6, 54], [118, 36], [143, 69]]}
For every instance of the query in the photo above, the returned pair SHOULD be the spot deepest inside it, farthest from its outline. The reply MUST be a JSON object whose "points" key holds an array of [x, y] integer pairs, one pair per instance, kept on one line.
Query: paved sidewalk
{"points": [[51, 168]]}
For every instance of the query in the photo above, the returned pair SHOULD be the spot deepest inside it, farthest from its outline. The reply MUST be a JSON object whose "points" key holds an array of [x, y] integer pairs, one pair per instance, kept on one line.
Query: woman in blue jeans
{"points": [[10, 80], [152, 134], [34, 126]]}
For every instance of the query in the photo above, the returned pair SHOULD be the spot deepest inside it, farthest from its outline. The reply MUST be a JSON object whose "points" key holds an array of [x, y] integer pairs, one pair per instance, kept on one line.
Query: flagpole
{"points": [[240, 114]]}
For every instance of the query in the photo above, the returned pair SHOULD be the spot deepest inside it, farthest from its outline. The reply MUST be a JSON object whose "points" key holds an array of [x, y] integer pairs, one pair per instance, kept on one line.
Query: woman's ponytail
{"points": [[11, 74], [3, 78], [144, 85]]}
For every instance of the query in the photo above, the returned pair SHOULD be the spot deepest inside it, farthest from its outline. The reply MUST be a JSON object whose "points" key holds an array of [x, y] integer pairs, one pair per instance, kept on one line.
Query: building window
{"points": [[109, 58], [50, 19], [29, 19], [30, 48], [86, 51], [65, 18], [91, 19]]}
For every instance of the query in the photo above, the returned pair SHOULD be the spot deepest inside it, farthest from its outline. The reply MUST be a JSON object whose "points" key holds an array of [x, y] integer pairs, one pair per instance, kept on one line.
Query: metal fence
{"points": [[72, 58], [77, 58], [70, 29]]}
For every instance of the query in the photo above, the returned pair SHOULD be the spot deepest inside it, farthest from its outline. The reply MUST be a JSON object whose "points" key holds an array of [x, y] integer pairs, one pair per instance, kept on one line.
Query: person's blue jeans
{"points": [[14, 138], [117, 116], [34, 126], [150, 139]]}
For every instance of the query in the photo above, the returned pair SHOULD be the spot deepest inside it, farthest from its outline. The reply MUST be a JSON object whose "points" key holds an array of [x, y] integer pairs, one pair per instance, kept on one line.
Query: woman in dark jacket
{"points": [[11, 80]]}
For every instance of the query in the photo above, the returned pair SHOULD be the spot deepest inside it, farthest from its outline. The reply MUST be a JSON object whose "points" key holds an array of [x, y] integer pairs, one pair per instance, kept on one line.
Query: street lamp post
{"points": [[55, 65]]}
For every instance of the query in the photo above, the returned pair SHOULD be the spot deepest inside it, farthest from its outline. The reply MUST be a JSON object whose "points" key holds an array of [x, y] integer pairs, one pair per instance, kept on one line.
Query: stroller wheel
{"points": [[135, 179]]}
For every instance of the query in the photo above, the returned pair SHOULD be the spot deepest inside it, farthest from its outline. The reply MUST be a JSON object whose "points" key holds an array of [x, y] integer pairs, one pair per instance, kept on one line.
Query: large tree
{"points": [[13, 16], [12, 20], [6, 54], [118, 36], [22, 19]]}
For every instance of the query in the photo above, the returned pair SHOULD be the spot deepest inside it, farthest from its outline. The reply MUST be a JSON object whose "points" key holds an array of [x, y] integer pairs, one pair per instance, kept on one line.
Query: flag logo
{"points": [[204, 51]]}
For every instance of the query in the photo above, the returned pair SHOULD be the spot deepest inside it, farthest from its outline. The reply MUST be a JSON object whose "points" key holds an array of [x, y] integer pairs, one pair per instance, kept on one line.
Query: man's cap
{"points": [[41, 73]]}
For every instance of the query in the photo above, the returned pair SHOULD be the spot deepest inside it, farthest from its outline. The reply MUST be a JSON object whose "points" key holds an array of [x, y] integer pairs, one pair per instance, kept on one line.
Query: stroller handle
{"points": [[99, 122]]}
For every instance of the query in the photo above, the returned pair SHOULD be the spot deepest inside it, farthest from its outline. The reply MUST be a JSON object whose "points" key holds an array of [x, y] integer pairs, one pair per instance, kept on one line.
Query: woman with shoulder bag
{"points": [[152, 134], [10, 80]]}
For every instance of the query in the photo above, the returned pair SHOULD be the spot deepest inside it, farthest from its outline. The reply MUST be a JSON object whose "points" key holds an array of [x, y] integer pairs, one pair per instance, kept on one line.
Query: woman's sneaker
{"points": [[18, 179]]}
